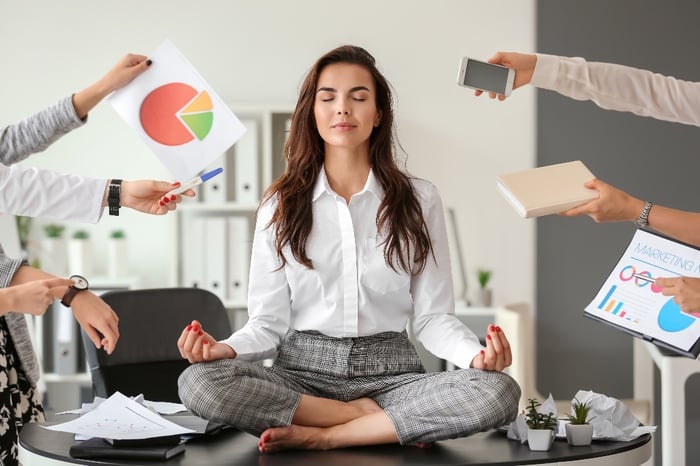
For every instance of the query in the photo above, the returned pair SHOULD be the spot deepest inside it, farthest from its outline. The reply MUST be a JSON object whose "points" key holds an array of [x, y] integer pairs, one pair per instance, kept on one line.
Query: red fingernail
{"points": [[172, 197], [161, 203], [200, 333], [189, 327], [206, 342], [176, 184], [488, 337], [165, 200], [482, 352], [195, 327], [498, 329]]}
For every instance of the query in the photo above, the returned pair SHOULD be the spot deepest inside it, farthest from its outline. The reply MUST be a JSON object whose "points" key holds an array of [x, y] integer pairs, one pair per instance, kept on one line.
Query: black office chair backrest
{"points": [[146, 359]]}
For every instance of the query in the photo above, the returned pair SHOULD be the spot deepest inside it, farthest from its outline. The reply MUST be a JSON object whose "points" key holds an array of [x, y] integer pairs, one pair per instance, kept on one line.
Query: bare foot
{"points": [[366, 405], [293, 437]]}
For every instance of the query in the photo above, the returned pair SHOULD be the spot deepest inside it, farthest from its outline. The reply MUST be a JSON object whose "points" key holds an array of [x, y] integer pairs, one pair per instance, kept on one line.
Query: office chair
{"points": [[146, 359]]}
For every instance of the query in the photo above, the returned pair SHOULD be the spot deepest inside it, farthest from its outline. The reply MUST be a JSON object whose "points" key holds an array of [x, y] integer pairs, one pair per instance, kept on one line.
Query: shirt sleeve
{"points": [[622, 88], [37, 132], [434, 322], [269, 304], [43, 193]]}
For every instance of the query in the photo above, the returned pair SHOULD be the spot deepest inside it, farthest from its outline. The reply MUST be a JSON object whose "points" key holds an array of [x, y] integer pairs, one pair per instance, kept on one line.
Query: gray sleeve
{"points": [[37, 132], [8, 268]]}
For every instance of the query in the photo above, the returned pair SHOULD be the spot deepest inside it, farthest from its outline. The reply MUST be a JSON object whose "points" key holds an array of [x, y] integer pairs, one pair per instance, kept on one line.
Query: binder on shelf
{"points": [[193, 253], [66, 340], [216, 189], [547, 190], [238, 258], [246, 156], [215, 256]]}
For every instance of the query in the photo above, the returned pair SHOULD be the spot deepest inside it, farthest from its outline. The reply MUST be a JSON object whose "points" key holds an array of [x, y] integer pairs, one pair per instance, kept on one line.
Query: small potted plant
{"points": [[117, 254], [485, 296], [80, 253], [53, 249], [579, 431], [540, 427]]}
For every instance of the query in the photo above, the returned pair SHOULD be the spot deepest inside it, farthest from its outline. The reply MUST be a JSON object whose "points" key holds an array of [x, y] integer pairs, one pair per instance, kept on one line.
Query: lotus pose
{"points": [[348, 249]]}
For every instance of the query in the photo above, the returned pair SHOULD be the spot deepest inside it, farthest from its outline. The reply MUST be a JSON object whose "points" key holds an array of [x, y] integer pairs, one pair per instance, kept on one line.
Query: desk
{"points": [[675, 371], [39, 446]]}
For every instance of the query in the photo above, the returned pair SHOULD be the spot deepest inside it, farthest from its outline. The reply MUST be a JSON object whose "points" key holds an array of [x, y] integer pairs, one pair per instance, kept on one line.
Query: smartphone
{"points": [[486, 77]]}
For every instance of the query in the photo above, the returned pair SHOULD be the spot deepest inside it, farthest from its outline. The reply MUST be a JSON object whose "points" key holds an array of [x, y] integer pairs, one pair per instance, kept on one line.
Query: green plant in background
{"points": [[536, 419], [580, 414], [484, 276], [117, 234], [54, 230], [80, 234], [24, 227]]}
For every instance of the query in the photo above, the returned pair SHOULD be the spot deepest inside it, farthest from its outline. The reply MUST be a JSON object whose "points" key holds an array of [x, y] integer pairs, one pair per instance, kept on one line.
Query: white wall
{"points": [[258, 51]]}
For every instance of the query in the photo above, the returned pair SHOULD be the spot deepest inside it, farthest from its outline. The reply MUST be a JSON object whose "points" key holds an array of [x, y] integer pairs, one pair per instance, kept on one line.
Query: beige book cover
{"points": [[547, 190]]}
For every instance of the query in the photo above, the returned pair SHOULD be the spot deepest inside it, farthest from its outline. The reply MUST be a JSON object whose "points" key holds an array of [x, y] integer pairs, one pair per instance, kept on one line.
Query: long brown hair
{"points": [[399, 215]]}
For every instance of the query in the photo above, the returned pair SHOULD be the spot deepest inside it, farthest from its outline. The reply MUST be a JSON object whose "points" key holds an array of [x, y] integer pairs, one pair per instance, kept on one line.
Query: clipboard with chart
{"points": [[630, 300]]}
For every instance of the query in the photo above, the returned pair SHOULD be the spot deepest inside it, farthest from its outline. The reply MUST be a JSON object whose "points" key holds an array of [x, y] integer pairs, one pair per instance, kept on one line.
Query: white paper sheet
{"points": [[636, 303], [119, 417], [179, 116]]}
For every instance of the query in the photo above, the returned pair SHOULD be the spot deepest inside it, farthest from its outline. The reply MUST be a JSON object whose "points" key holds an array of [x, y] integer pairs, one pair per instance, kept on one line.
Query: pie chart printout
{"points": [[176, 113]]}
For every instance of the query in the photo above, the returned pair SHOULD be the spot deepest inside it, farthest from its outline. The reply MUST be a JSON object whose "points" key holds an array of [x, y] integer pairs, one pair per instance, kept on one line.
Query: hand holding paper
{"points": [[179, 116]]}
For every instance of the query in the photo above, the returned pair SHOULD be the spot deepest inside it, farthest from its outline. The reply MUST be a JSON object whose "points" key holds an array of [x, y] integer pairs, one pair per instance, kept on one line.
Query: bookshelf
{"points": [[214, 231]]}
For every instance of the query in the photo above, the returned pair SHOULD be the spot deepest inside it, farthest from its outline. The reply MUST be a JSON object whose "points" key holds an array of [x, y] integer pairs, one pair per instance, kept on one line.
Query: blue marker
{"points": [[195, 181]]}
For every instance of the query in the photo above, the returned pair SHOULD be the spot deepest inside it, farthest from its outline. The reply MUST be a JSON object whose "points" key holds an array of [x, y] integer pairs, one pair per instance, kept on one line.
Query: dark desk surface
{"points": [[237, 448]]}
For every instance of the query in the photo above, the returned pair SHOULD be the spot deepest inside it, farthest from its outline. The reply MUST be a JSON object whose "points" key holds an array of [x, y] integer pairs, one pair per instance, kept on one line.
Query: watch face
{"points": [[81, 282]]}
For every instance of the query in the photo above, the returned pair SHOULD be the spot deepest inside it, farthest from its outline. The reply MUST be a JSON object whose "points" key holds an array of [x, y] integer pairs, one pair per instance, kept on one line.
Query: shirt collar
{"points": [[371, 185]]}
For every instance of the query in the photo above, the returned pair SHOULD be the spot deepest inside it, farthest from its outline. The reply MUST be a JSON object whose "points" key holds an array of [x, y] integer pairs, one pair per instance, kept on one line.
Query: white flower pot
{"points": [[79, 257], [579, 434], [117, 260], [540, 439], [53, 256], [484, 297]]}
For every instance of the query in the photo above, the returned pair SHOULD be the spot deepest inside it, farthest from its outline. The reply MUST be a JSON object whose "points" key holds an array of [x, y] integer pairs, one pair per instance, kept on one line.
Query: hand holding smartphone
{"points": [[487, 77]]}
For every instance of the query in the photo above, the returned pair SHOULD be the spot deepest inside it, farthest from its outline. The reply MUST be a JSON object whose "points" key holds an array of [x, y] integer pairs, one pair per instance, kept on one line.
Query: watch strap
{"points": [[69, 295], [114, 196]]}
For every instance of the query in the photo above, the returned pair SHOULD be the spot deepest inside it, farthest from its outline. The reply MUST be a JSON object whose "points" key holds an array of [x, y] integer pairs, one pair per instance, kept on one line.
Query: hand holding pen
{"points": [[685, 292], [150, 196], [159, 197]]}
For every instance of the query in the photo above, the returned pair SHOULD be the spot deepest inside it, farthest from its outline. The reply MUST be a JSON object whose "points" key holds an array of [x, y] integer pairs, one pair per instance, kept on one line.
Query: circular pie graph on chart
{"points": [[176, 113], [672, 319]]}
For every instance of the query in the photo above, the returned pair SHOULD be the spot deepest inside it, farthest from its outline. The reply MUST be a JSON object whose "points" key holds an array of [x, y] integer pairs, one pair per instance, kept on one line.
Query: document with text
{"points": [[631, 301]]}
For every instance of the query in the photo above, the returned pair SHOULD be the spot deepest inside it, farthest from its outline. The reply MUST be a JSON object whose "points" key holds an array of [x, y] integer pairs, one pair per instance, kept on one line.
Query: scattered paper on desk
{"points": [[161, 407], [165, 407], [119, 417], [611, 418], [178, 115]]}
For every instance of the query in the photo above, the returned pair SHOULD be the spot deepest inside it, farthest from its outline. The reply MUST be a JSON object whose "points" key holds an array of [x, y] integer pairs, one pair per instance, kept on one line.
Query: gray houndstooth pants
{"points": [[424, 407]]}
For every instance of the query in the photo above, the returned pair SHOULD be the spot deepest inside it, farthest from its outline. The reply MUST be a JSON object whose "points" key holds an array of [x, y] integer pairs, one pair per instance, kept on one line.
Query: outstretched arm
{"points": [[615, 205], [126, 69]]}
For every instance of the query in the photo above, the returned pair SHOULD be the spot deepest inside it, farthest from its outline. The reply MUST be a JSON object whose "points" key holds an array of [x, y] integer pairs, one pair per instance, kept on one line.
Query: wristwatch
{"points": [[114, 196], [81, 284], [643, 219]]}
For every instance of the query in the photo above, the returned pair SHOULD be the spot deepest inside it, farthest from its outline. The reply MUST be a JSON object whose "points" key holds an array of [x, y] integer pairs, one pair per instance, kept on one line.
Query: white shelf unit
{"points": [[209, 250]]}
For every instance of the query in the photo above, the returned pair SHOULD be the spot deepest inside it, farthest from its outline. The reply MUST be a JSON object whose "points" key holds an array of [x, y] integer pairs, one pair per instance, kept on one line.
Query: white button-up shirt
{"points": [[352, 291]]}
